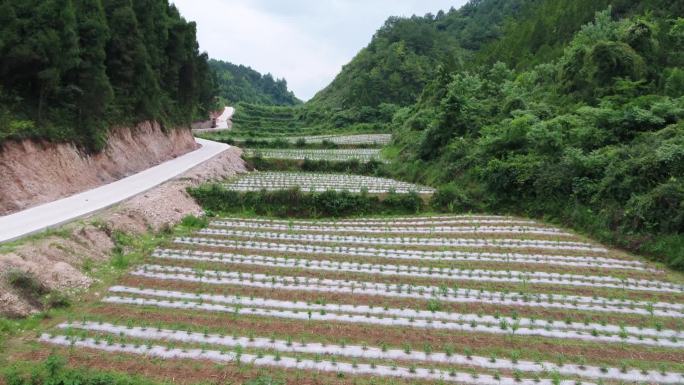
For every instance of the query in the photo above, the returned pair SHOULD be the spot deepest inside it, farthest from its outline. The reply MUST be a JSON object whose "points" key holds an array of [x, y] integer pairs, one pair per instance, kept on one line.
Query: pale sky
{"points": [[304, 41]]}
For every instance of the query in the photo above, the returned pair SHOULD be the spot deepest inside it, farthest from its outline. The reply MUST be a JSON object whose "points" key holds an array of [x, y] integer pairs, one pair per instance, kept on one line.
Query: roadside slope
{"points": [[58, 261], [34, 172]]}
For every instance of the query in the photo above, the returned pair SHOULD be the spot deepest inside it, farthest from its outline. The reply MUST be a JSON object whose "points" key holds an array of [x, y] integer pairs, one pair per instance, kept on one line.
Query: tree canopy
{"points": [[69, 69], [241, 84]]}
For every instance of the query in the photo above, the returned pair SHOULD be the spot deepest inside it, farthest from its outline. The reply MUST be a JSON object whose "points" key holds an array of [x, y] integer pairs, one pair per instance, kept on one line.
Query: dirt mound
{"points": [[57, 262], [33, 172]]}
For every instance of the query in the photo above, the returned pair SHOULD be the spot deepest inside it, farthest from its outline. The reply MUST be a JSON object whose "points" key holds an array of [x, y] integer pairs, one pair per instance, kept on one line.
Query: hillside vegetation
{"points": [[71, 69], [593, 138], [569, 110], [238, 83]]}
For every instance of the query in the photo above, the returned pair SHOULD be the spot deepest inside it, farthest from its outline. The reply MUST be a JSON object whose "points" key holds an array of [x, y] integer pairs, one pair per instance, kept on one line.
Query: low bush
{"points": [[26, 283], [53, 371], [371, 168], [295, 203], [192, 222]]}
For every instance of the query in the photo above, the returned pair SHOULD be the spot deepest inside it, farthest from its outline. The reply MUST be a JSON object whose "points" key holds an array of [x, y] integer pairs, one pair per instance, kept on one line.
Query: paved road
{"points": [[65, 210], [222, 122]]}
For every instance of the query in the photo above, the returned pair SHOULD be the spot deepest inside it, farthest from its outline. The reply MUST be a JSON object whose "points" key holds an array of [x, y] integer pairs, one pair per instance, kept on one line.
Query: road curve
{"points": [[65, 210], [222, 122]]}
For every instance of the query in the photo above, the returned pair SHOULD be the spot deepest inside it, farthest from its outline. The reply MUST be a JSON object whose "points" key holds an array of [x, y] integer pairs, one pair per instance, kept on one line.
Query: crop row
{"points": [[376, 353], [438, 293], [273, 181], [166, 352], [425, 255], [397, 230], [468, 323], [389, 222], [409, 241], [360, 139], [455, 274], [360, 154]]}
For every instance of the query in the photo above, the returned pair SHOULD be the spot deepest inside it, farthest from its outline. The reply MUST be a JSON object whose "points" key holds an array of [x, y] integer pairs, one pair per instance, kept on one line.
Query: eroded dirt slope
{"points": [[57, 261], [34, 172]]}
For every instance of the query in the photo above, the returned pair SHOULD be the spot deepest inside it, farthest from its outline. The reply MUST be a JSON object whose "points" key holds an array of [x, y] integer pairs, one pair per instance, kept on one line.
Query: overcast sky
{"points": [[304, 41]]}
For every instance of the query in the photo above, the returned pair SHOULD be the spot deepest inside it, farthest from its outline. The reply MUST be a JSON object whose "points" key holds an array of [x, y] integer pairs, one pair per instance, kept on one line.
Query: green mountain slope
{"points": [[568, 110], [404, 54], [237, 83], [71, 69], [586, 130]]}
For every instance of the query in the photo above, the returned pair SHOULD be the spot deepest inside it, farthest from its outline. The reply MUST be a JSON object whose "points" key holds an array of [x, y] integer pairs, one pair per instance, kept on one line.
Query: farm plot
{"points": [[360, 154], [273, 181], [454, 299], [362, 139]]}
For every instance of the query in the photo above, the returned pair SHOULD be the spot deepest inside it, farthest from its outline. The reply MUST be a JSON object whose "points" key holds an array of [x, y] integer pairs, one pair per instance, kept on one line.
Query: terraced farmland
{"points": [[361, 154], [449, 299], [361, 139], [273, 181]]}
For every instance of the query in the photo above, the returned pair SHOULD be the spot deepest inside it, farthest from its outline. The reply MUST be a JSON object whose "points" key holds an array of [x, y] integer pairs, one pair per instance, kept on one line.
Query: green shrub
{"points": [[450, 198], [193, 222], [53, 371], [295, 203]]}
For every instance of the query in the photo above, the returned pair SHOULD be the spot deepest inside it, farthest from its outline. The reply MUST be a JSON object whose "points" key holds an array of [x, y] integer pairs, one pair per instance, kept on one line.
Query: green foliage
{"points": [[53, 371], [371, 168], [264, 381], [192, 222], [237, 83], [593, 138], [295, 203], [26, 283], [29, 287], [70, 69]]}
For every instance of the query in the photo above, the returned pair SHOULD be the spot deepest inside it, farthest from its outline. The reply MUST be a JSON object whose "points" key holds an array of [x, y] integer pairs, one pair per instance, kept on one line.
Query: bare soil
{"points": [[35, 172], [57, 261]]}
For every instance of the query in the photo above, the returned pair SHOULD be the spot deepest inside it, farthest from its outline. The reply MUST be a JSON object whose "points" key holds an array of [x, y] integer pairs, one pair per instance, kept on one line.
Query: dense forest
{"points": [[560, 116], [568, 110], [238, 83], [70, 69]]}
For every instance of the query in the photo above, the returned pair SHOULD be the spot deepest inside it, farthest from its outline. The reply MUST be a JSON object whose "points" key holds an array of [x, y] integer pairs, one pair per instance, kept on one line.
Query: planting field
{"points": [[273, 181], [445, 299], [361, 154], [361, 139]]}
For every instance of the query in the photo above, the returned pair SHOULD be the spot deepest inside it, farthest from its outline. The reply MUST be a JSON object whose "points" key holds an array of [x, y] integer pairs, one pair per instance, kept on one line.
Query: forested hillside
{"points": [[241, 84], [569, 110], [70, 69], [580, 121]]}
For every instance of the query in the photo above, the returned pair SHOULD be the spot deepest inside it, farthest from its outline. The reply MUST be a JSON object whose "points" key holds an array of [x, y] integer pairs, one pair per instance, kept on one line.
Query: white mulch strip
{"points": [[428, 255], [240, 279], [469, 323], [361, 154], [375, 353], [530, 277], [166, 352], [273, 181], [410, 241], [522, 230]]}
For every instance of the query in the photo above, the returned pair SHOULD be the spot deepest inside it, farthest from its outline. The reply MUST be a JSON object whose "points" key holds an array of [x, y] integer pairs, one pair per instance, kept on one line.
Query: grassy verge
{"points": [[53, 370], [128, 250]]}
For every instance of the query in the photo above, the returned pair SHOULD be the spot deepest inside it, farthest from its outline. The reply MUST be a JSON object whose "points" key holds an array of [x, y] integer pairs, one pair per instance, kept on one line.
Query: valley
{"points": [[486, 195]]}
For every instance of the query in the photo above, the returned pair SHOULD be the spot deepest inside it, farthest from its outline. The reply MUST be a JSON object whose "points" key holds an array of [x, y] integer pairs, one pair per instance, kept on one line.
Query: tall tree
{"points": [[128, 67], [96, 93]]}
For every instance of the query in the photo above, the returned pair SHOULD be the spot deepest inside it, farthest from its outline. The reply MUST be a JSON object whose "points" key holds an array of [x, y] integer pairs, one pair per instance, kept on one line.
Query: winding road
{"points": [[49, 215]]}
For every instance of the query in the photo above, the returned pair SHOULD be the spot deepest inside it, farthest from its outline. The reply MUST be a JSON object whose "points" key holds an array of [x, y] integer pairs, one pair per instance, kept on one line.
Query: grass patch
{"points": [[8, 247], [53, 371]]}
